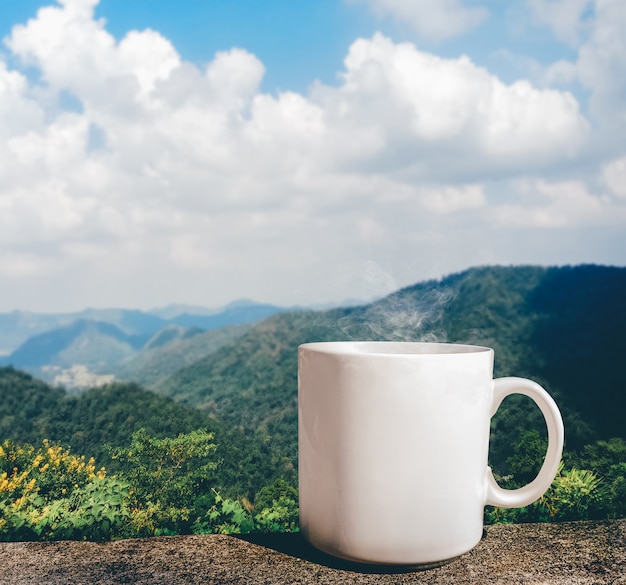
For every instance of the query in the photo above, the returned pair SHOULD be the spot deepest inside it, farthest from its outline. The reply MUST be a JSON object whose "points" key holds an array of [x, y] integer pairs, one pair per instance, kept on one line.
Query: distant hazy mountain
{"points": [[233, 314], [18, 326], [82, 342], [74, 349], [171, 311]]}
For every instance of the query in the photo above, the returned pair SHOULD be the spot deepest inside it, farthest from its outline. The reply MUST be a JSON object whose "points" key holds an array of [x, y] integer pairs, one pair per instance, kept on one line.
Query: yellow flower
{"points": [[15, 481]]}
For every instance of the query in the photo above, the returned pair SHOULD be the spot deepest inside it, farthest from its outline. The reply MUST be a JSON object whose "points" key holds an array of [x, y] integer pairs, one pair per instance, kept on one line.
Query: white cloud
{"points": [[18, 111], [199, 177], [614, 174], [434, 21], [451, 199], [542, 204], [596, 29], [444, 117], [567, 18], [75, 52], [602, 63]]}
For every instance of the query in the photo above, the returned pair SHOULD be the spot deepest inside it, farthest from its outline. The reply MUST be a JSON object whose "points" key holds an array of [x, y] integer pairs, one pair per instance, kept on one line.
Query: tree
{"points": [[166, 477]]}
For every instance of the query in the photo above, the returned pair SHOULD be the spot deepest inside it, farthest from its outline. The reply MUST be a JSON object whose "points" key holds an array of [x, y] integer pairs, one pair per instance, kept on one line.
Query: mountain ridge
{"points": [[74, 349], [16, 327]]}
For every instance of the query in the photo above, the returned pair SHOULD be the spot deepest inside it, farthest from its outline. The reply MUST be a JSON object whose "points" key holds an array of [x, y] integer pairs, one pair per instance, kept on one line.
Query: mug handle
{"points": [[497, 496]]}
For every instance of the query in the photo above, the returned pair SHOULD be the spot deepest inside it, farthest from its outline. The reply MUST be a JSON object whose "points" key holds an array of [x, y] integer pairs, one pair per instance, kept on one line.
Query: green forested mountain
{"points": [[560, 326], [101, 418], [171, 349]]}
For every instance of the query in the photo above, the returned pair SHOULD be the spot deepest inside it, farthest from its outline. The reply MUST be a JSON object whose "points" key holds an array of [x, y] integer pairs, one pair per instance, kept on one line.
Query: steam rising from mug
{"points": [[401, 317]]}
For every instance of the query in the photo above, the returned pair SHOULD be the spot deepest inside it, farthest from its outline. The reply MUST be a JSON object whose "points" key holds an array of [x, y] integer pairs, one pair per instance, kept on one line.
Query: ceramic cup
{"points": [[393, 444]]}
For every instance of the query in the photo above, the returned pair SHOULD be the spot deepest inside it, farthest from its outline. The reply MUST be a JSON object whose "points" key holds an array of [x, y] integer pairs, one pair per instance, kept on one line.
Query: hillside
{"points": [[560, 326], [171, 349], [30, 411]]}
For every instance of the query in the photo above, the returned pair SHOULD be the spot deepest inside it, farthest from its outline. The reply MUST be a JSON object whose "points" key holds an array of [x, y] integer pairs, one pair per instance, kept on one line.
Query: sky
{"points": [[302, 152]]}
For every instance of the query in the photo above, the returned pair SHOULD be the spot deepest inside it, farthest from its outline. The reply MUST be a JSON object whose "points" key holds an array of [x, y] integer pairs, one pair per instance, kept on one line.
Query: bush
{"points": [[575, 494], [50, 494], [166, 476], [227, 516]]}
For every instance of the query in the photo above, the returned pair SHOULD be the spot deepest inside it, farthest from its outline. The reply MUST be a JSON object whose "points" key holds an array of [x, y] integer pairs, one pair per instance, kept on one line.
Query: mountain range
{"points": [[97, 345], [561, 326]]}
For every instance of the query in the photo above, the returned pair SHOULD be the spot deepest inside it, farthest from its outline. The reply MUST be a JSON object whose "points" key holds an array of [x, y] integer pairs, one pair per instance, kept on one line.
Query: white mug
{"points": [[393, 443]]}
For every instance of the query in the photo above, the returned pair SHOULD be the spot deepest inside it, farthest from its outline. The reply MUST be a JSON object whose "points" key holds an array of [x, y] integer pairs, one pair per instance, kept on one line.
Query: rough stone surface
{"points": [[574, 553]]}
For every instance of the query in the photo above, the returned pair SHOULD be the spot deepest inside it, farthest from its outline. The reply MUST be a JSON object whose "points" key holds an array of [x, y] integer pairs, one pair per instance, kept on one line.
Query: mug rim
{"points": [[393, 348]]}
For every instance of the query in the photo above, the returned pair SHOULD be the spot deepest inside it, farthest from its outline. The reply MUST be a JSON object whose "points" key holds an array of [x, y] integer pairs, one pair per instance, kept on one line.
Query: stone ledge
{"points": [[577, 553]]}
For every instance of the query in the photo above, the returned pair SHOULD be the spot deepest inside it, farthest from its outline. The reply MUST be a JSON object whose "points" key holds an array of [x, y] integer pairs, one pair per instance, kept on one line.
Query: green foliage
{"points": [[228, 516], [282, 516], [104, 418], [225, 516], [46, 493], [615, 501], [172, 490], [273, 492], [602, 455], [575, 494], [608, 460], [278, 507], [595, 491], [50, 494], [26, 405], [169, 470], [165, 476], [529, 453]]}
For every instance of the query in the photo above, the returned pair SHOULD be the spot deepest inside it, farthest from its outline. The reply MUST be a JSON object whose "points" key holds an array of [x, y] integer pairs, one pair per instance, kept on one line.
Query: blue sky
{"points": [[300, 41], [302, 151]]}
